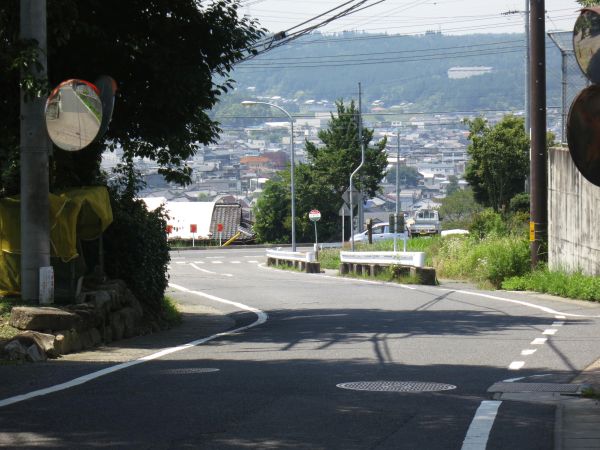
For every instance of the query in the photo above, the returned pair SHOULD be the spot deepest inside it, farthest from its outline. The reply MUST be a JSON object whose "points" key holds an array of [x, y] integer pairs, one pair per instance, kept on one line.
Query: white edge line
{"points": [[261, 318], [522, 303], [481, 425], [208, 271]]}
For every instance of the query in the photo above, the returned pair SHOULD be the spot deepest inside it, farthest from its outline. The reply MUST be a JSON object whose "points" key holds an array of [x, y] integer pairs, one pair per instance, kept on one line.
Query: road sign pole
{"points": [[316, 240]]}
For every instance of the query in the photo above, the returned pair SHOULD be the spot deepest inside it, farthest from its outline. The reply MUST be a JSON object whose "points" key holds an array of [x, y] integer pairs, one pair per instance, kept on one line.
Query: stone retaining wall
{"points": [[108, 313]]}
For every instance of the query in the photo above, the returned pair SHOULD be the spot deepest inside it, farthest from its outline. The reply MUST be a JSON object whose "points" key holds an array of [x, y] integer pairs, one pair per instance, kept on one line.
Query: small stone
{"points": [[34, 354]]}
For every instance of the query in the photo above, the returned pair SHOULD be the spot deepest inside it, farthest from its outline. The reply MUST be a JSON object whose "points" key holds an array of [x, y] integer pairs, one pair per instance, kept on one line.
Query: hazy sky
{"points": [[413, 16]]}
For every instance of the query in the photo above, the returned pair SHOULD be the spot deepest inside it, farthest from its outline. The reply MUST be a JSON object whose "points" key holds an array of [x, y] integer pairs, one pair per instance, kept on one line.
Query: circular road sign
{"points": [[314, 215], [583, 133]]}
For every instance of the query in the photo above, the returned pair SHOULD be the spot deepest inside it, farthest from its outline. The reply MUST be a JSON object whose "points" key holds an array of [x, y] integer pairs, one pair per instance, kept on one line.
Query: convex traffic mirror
{"points": [[73, 114], [586, 43]]}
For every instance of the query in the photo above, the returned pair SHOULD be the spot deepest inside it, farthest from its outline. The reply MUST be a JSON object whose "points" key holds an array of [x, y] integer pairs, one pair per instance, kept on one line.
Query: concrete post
{"points": [[35, 222]]}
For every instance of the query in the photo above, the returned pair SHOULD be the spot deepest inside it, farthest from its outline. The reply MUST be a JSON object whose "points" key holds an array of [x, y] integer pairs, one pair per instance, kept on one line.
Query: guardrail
{"points": [[415, 259], [302, 261], [372, 263]]}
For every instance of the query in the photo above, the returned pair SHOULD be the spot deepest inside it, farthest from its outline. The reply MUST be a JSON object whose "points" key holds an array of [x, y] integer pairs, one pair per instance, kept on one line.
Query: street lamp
{"points": [[293, 186]]}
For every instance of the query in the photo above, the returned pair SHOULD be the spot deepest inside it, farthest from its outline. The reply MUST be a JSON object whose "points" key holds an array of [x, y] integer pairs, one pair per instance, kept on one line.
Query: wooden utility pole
{"points": [[35, 211], [538, 169]]}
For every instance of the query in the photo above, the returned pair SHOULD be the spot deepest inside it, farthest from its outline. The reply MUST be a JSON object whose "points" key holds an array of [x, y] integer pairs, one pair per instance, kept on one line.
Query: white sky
{"points": [[413, 16]]}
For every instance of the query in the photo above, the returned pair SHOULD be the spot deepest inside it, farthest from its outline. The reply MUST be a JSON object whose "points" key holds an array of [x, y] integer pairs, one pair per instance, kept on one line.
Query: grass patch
{"points": [[569, 285], [170, 311], [6, 305], [329, 258]]}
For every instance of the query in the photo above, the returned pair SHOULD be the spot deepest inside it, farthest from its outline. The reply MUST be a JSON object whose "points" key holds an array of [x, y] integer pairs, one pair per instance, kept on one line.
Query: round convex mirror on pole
{"points": [[73, 114]]}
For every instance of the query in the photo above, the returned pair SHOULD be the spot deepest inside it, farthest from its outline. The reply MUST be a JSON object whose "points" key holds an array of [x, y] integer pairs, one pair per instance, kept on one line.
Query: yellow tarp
{"points": [[82, 213]]}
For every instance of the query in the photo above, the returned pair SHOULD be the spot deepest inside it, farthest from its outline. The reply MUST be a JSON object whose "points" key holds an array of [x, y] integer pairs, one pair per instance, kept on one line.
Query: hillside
{"points": [[398, 69]]}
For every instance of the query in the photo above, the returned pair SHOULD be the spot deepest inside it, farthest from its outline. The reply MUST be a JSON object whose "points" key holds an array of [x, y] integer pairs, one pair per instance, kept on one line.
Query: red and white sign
{"points": [[193, 228], [219, 227], [314, 215]]}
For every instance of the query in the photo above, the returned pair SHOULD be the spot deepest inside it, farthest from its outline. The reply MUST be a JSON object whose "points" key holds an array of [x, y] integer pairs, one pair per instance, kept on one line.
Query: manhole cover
{"points": [[396, 386], [190, 370]]}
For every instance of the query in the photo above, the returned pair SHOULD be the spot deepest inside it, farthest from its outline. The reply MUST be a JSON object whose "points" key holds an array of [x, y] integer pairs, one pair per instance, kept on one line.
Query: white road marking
{"points": [[261, 317], [528, 352], [550, 331], [199, 262], [210, 272], [217, 262], [516, 365], [236, 262], [557, 324], [538, 341], [253, 261], [481, 425], [180, 262], [522, 303], [560, 317]]}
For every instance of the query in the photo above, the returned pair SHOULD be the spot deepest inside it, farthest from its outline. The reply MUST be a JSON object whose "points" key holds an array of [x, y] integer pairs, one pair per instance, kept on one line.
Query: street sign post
{"points": [[315, 215]]}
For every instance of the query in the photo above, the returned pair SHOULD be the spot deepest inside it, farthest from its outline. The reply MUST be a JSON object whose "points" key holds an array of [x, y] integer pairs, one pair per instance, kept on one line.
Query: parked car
{"points": [[381, 232]]}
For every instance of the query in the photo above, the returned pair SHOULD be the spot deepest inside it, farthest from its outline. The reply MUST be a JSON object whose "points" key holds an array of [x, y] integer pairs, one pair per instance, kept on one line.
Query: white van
{"points": [[381, 232]]}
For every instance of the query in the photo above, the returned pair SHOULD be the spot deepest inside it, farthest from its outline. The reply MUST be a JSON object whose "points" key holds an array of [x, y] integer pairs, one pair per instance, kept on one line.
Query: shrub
{"points": [[489, 260], [488, 222], [136, 249], [570, 285]]}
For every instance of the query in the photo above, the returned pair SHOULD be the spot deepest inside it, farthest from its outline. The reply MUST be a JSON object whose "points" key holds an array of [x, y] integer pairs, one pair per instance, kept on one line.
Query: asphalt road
{"points": [[422, 357]]}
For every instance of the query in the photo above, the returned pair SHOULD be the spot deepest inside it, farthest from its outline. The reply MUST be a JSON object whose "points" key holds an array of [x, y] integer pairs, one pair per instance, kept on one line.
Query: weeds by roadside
{"points": [[6, 304], [170, 311], [570, 285]]}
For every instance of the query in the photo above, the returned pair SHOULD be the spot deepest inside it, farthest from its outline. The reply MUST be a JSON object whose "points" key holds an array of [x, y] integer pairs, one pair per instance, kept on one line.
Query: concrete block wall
{"points": [[573, 216]]}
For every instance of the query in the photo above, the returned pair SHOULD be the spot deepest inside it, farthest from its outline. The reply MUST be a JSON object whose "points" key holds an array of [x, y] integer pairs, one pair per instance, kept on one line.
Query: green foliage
{"points": [[329, 258], [320, 183], [170, 58], [272, 211], [458, 208], [333, 163], [487, 223], [587, 3], [136, 249], [520, 203], [570, 285], [499, 160], [409, 176], [170, 311], [490, 260]]}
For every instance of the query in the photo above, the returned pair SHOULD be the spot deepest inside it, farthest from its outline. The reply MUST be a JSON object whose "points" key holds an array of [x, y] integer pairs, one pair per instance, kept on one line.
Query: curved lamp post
{"points": [[293, 186]]}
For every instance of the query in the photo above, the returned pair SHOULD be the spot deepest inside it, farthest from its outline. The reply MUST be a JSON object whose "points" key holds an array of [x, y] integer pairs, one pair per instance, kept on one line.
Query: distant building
{"points": [[456, 73]]}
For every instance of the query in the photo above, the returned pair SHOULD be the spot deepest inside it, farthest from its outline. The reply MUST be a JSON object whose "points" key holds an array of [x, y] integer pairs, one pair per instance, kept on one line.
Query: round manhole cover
{"points": [[190, 370], [396, 386]]}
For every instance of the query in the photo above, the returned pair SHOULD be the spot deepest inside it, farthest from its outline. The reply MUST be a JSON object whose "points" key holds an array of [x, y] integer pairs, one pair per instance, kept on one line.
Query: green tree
{"points": [[321, 182], [458, 209], [334, 162], [170, 58], [409, 176], [453, 186], [499, 160], [587, 3]]}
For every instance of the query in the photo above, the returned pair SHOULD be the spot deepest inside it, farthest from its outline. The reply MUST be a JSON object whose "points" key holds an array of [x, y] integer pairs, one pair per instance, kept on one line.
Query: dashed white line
{"points": [[516, 365], [528, 352], [557, 324], [236, 262], [180, 262], [560, 317], [539, 341], [252, 261], [550, 331], [217, 262], [261, 317], [481, 425], [199, 262]]}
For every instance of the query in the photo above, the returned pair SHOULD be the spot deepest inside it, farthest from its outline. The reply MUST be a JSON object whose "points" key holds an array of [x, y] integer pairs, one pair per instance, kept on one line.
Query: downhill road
{"points": [[310, 362]]}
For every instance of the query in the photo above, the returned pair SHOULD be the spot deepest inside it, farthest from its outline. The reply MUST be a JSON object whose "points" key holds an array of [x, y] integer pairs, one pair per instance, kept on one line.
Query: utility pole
{"points": [[34, 146], [538, 169], [362, 162]]}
